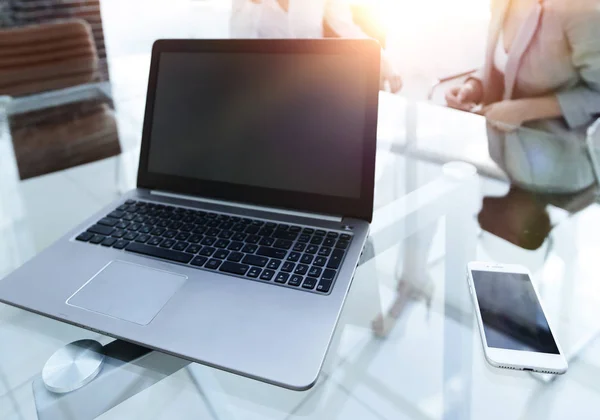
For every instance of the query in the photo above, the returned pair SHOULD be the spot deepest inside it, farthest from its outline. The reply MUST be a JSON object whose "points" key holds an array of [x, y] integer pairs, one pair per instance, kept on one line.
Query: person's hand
{"points": [[506, 115], [466, 96], [389, 74]]}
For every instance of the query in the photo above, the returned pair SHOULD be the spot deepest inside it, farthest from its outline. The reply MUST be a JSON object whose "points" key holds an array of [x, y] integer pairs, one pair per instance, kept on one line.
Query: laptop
{"points": [[253, 202]]}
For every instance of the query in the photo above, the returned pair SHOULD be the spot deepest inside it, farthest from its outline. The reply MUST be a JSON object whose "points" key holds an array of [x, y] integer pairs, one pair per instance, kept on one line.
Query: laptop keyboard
{"points": [[288, 255]]}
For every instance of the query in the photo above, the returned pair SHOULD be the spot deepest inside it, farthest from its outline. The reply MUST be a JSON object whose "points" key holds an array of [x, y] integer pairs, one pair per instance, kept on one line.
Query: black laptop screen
{"points": [[292, 122]]}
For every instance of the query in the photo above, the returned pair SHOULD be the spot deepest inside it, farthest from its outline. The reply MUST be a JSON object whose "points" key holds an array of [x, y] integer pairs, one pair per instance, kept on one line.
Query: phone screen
{"points": [[511, 313]]}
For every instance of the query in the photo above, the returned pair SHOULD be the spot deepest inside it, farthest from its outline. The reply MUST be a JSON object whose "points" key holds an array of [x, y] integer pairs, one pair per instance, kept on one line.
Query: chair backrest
{"points": [[45, 57]]}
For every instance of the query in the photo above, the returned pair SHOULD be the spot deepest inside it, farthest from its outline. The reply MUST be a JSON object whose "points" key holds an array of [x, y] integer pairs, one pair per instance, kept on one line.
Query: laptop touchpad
{"points": [[128, 291]]}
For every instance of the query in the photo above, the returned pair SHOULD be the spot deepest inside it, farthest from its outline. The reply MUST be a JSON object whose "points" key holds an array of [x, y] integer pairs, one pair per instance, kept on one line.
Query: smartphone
{"points": [[515, 332]]}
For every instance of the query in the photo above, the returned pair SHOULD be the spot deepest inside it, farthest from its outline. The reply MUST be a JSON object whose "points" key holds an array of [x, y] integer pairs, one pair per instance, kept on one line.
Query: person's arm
{"points": [[514, 112], [581, 23]]}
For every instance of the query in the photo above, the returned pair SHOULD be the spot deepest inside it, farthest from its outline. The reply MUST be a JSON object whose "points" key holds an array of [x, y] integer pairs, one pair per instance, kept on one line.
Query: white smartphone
{"points": [[515, 332]]}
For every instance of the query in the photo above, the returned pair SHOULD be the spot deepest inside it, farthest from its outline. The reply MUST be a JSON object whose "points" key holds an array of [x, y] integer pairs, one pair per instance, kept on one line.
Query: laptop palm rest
{"points": [[128, 291]]}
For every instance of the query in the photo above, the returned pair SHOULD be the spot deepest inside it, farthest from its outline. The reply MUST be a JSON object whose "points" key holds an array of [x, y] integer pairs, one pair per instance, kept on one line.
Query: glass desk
{"points": [[406, 346]]}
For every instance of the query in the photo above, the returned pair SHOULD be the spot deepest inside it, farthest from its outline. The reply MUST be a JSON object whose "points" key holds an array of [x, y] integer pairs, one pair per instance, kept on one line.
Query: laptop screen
{"points": [[284, 121]]}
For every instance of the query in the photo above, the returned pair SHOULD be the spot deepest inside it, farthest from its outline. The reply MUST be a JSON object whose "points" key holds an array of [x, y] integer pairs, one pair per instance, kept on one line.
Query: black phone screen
{"points": [[511, 313]]}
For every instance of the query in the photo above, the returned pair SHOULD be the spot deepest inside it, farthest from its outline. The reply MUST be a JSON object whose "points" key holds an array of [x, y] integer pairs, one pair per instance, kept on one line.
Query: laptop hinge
{"points": [[275, 210]]}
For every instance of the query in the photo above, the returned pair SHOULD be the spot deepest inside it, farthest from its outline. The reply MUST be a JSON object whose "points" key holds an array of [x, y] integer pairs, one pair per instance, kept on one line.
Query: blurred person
{"points": [[542, 70], [302, 19]]}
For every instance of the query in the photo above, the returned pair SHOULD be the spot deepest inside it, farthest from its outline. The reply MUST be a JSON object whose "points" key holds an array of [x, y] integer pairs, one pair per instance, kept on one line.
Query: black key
{"points": [[234, 268], [130, 202], [212, 264], [122, 225], [282, 226], [295, 229], [108, 221], [296, 280], [140, 219], [316, 240], [226, 225], [222, 243], [235, 246], [309, 283], [299, 247], [155, 241], [287, 235], [274, 264], [255, 260], [167, 243], [308, 231], [176, 217], [294, 256], [345, 236], [180, 246], [235, 219], [206, 251], [320, 232], [193, 248], [101, 230], [235, 257], [252, 239], [211, 215], [283, 244], [238, 227], [258, 222], [212, 224], [330, 242], [195, 238], [265, 232], [254, 272], [324, 285], [246, 221], [306, 259], [250, 249], [130, 236], [328, 274], [288, 267], [341, 244], [267, 275], [324, 251], [271, 252], [143, 238], [221, 254], [208, 241], [152, 221], [315, 272], [135, 226], [187, 227], [108, 242], [304, 238], [301, 269], [212, 232], [320, 261], [312, 249], [158, 231], [118, 233], [182, 236], [239, 237], [252, 230], [166, 254], [170, 234], [199, 261], [226, 234], [129, 216], [200, 230], [267, 241], [163, 223], [336, 258], [122, 207], [332, 234], [145, 229], [282, 278], [270, 225], [120, 244], [85, 236]]}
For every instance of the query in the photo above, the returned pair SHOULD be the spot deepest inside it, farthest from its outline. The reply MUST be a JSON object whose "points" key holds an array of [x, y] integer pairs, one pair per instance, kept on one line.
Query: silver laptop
{"points": [[253, 202]]}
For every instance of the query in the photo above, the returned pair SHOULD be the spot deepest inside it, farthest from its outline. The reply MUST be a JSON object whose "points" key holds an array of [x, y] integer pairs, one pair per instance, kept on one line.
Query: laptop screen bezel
{"points": [[361, 207]]}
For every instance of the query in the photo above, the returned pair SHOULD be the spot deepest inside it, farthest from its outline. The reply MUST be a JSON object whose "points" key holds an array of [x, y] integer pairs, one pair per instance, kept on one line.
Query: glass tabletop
{"points": [[406, 345]]}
